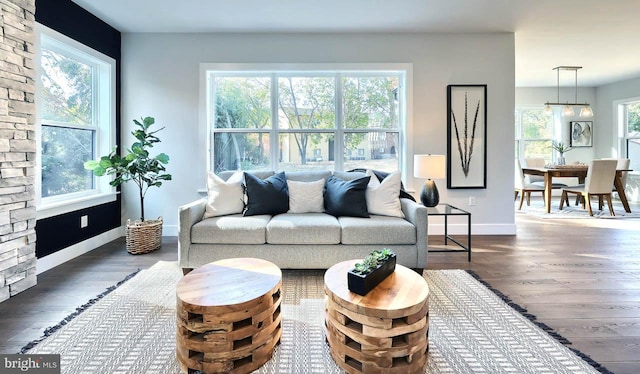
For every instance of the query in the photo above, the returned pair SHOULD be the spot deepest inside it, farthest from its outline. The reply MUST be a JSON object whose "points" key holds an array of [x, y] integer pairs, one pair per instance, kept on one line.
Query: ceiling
{"points": [[601, 36]]}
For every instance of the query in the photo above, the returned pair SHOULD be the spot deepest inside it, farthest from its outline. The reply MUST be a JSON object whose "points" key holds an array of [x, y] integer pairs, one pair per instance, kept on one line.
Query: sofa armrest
{"points": [[417, 215], [190, 214]]}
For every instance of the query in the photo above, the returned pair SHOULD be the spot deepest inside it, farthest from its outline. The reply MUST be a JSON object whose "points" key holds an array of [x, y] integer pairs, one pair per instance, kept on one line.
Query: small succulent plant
{"points": [[372, 261]]}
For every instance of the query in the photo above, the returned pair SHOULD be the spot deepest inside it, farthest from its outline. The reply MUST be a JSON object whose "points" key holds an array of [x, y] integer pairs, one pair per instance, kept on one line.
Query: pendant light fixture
{"points": [[568, 111]]}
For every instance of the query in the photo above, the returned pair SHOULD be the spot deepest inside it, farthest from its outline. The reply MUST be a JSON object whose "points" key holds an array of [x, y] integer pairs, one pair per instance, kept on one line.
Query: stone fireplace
{"points": [[17, 147]]}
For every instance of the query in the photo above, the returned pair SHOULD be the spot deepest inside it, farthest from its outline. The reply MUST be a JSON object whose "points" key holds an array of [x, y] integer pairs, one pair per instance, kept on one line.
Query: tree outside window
{"points": [[67, 123], [632, 111], [534, 133], [308, 131]]}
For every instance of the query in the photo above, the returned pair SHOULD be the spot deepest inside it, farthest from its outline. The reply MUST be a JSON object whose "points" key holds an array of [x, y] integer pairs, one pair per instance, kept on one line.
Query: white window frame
{"points": [[405, 72], [620, 117], [518, 131], [104, 122]]}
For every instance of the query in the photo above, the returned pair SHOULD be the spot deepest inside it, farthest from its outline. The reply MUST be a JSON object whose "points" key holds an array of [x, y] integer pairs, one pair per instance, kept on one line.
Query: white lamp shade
{"points": [[568, 111], [586, 111], [429, 166]]}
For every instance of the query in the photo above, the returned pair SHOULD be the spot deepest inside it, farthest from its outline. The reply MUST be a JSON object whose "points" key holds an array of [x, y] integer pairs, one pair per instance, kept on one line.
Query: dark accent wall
{"points": [[66, 17]]}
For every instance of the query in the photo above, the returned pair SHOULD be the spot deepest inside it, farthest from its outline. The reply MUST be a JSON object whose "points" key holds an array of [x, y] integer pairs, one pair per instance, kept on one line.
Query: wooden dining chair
{"points": [[523, 188], [534, 162], [622, 164], [539, 162], [598, 182]]}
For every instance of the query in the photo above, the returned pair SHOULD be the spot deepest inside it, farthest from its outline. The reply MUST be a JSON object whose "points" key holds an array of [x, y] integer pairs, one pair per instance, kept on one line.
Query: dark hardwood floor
{"points": [[579, 276]]}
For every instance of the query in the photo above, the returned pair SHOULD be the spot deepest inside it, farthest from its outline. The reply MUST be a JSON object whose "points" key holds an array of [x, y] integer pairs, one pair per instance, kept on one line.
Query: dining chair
{"points": [[523, 188], [598, 182], [534, 162], [622, 164], [539, 162]]}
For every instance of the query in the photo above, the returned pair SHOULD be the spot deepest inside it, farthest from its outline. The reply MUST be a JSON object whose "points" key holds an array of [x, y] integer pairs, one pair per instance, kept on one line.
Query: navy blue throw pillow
{"points": [[268, 196], [346, 198]]}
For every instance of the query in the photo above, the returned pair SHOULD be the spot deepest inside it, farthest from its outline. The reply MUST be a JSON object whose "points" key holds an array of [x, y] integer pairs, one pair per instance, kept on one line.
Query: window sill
{"points": [[62, 207]]}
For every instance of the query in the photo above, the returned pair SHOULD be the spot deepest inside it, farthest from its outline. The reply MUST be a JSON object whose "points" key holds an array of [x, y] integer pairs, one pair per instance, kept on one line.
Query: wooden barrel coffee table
{"points": [[385, 331], [228, 316]]}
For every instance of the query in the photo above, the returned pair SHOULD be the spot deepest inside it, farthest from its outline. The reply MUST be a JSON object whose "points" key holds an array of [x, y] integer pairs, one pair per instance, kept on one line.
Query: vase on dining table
{"points": [[561, 160]]}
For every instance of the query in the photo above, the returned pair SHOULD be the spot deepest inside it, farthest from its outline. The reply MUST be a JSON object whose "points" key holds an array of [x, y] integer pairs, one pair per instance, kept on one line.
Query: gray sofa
{"points": [[301, 240]]}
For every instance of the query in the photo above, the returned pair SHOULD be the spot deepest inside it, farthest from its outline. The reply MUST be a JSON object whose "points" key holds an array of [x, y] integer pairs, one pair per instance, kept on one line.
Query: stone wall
{"points": [[17, 147]]}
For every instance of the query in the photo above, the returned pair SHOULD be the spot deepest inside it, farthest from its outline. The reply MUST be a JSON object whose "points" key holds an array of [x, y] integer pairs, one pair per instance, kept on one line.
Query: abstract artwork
{"points": [[466, 136], [581, 134]]}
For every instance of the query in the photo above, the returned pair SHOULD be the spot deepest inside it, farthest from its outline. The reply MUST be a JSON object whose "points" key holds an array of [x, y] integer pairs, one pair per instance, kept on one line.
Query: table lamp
{"points": [[431, 167]]}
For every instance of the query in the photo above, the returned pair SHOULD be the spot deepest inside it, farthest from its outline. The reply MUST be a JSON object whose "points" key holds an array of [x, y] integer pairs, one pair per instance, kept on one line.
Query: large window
{"points": [[632, 133], [534, 133], [76, 117], [300, 120]]}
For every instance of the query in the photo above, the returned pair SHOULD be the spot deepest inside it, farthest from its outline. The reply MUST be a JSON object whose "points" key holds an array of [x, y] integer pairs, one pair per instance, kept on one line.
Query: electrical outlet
{"points": [[472, 200], [84, 221]]}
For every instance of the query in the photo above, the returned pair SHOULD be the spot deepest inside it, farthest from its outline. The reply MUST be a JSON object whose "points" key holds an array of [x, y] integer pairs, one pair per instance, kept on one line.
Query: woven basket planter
{"points": [[144, 237]]}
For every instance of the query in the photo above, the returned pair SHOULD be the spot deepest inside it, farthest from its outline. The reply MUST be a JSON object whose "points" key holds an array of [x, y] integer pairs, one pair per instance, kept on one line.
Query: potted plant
{"points": [[142, 236], [561, 148], [373, 269]]}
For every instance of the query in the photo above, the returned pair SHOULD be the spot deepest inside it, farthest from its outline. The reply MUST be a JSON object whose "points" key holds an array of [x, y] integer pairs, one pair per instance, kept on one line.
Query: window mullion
{"points": [[274, 134], [339, 132]]}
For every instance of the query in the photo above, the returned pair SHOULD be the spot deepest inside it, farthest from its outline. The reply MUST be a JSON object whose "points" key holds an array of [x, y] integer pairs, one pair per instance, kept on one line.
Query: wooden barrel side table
{"points": [[228, 316], [385, 331]]}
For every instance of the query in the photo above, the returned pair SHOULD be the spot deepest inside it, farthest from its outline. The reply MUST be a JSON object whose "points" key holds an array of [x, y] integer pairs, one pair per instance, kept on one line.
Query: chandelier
{"points": [[567, 111]]}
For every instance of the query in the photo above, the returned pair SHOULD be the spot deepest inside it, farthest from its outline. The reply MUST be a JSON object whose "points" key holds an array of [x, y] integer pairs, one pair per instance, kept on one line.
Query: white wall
{"points": [[160, 75], [608, 95]]}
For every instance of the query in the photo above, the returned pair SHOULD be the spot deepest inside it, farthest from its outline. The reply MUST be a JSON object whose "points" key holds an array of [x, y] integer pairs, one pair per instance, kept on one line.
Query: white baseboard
{"points": [[48, 262], [169, 230], [476, 229]]}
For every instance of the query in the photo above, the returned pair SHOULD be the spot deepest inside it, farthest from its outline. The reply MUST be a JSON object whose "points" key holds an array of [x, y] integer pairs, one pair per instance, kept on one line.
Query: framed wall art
{"points": [[467, 136], [581, 134]]}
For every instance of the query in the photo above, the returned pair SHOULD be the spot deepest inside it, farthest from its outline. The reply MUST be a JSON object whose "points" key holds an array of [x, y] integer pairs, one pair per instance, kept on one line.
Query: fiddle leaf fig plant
{"points": [[137, 165]]}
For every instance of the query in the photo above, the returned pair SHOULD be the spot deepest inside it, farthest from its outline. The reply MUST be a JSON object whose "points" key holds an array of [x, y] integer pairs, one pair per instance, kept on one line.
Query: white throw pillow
{"points": [[306, 197], [224, 197], [383, 198]]}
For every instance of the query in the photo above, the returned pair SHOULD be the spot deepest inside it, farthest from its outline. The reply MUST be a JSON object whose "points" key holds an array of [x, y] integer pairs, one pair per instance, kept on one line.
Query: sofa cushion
{"points": [[381, 175], [268, 196], [346, 198], [306, 197], [303, 228], [377, 230], [383, 198], [232, 229], [224, 197]]}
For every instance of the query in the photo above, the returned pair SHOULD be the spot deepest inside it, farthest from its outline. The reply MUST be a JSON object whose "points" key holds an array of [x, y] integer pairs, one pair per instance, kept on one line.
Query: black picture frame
{"points": [[580, 134], [467, 136]]}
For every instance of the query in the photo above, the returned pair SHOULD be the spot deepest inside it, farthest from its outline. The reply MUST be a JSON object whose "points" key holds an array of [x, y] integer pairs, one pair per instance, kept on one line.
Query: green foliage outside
{"points": [[66, 99], [304, 103], [634, 120], [536, 133]]}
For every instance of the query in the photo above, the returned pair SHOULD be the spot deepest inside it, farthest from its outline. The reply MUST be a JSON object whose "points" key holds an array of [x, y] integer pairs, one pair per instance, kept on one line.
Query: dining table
{"points": [[577, 171]]}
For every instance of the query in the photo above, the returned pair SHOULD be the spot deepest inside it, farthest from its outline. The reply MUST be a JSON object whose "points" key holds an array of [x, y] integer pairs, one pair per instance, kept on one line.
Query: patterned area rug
{"points": [[472, 330], [537, 209]]}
